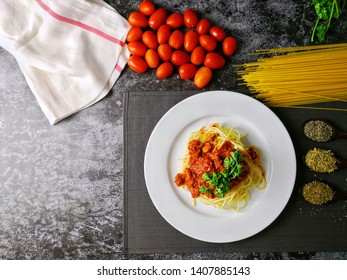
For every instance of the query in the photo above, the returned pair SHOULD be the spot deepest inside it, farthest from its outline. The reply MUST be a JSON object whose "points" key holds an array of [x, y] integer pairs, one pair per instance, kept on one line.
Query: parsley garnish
{"points": [[220, 181], [233, 164], [205, 190], [325, 11]]}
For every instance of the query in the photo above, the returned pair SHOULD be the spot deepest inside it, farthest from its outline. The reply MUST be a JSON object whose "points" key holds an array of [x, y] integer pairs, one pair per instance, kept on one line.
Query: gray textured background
{"points": [[61, 186]]}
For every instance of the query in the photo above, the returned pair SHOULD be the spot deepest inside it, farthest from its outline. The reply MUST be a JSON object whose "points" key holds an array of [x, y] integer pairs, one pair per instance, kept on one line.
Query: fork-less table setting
{"points": [[97, 180]]}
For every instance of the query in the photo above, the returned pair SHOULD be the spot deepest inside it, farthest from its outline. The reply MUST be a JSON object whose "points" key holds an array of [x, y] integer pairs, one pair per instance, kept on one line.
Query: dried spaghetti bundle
{"points": [[297, 76]]}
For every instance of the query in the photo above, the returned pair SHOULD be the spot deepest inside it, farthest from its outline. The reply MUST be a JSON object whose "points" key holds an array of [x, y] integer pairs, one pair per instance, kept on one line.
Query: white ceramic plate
{"points": [[167, 145]]}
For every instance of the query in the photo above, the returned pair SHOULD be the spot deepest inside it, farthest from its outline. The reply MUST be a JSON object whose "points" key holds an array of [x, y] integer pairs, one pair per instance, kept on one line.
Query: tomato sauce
{"points": [[204, 158]]}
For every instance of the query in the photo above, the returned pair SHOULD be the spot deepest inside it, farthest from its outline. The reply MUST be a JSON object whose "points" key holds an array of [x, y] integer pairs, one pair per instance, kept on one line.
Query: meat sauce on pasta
{"points": [[218, 164]]}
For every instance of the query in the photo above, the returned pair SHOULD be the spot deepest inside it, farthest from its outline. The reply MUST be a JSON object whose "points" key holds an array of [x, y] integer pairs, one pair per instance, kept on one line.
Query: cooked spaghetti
{"points": [[219, 169], [297, 76]]}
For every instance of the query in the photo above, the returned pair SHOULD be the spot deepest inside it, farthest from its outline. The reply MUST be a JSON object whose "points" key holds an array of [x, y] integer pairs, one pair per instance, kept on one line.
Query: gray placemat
{"points": [[301, 227]]}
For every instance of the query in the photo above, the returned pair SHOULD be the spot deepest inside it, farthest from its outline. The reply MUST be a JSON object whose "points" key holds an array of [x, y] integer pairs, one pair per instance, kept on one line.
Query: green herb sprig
{"points": [[220, 181], [325, 10], [233, 164]]}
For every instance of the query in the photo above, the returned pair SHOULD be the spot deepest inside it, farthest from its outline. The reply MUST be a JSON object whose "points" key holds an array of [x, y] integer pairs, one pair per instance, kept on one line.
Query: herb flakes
{"points": [[319, 131], [317, 193], [321, 160]]}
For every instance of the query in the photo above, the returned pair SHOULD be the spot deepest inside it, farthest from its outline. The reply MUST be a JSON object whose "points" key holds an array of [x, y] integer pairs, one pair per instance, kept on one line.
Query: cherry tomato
{"points": [[176, 39], [218, 33], [137, 48], [138, 19], [152, 58], [214, 60], [207, 42], [164, 70], [203, 26], [134, 34], [137, 64], [150, 39], [147, 8], [163, 33], [187, 71], [180, 57], [165, 52], [190, 18], [198, 55], [175, 20], [191, 40], [229, 46], [157, 18], [202, 77]]}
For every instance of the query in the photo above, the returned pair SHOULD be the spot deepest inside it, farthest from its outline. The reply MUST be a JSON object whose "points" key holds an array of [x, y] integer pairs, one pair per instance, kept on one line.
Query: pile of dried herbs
{"points": [[317, 193], [318, 131], [321, 160]]}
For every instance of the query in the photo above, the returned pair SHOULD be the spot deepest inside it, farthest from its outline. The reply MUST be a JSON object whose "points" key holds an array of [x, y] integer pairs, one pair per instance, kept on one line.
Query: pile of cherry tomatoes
{"points": [[163, 41]]}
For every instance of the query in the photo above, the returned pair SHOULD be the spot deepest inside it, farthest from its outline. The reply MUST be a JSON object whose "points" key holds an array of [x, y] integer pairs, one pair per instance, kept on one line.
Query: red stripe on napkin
{"points": [[79, 24], [119, 68]]}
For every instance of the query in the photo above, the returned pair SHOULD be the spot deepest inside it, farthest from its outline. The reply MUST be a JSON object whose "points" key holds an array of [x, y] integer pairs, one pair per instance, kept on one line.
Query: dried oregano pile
{"points": [[317, 193], [318, 131], [321, 160]]}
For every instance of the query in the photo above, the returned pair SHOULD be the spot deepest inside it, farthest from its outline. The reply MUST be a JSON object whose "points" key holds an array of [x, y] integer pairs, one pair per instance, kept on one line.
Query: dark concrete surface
{"points": [[61, 186]]}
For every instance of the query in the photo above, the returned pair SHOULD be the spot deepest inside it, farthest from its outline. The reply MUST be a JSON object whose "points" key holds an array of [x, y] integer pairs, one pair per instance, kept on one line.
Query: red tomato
{"points": [[164, 70], [229, 46], [203, 26], [137, 64], [152, 58], [137, 48], [176, 39], [175, 20], [202, 77], [163, 33], [187, 71], [218, 33], [190, 18], [147, 8], [207, 42], [134, 34], [180, 57], [191, 40], [137, 19], [214, 60], [198, 55], [157, 18], [165, 52], [149, 39]]}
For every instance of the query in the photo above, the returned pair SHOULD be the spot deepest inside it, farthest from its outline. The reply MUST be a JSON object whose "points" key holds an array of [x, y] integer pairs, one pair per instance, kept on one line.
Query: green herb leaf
{"points": [[206, 177], [219, 192], [224, 174], [321, 31], [325, 11], [227, 163], [236, 166], [205, 190]]}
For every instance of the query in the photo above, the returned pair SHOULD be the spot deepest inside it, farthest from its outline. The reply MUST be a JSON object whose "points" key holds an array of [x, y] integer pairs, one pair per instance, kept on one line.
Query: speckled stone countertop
{"points": [[61, 185]]}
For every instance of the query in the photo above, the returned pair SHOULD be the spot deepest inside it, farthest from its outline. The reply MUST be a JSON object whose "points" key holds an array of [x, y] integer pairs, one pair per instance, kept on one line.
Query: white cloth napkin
{"points": [[71, 52]]}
